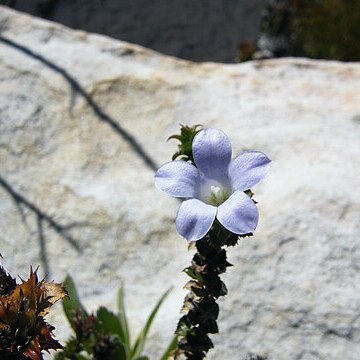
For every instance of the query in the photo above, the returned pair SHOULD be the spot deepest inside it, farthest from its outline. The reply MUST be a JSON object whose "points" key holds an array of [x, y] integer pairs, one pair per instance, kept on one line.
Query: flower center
{"points": [[214, 193], [215, 190]]}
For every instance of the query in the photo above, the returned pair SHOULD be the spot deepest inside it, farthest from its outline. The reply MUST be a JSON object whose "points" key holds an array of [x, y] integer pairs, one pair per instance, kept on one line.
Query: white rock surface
{"points": [[78, 112]]}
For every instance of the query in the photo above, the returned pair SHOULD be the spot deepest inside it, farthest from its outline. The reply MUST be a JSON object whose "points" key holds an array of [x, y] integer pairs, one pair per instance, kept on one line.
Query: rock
{"points": [[83, 124], [208, 30]]}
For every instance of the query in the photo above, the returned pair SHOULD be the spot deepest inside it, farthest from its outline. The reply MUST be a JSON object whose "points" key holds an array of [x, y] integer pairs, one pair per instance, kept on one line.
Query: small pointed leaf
{"points": [[191, 272]]}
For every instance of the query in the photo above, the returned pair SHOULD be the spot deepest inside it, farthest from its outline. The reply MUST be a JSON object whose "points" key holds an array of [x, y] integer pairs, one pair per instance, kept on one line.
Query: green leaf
{"points": [[61, 356], [70, 351], [123, 320], [193, 274], [171, 347], [142, 358], [140, 341], [111, 325], [72, 304], [185, 138], [88, 344], [120, 353]]}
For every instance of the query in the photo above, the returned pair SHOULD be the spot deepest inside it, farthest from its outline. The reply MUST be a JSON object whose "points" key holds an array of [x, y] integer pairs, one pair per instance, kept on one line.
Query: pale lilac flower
{"points": [[215, 187]]}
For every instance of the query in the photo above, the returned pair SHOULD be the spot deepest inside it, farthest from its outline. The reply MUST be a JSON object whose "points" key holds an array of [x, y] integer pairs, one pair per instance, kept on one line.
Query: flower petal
{"points": [[238, 214], [247, 169], [212, 153], [178, 178], [194, 219]]}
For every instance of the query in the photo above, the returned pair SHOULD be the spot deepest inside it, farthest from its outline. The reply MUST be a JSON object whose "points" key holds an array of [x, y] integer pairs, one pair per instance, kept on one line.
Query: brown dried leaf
{"points": [[52, 293]]}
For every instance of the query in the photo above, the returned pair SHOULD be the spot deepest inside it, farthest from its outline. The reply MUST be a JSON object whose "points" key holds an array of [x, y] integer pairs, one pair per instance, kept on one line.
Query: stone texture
{"points": [[202, 30], [83, 124]]}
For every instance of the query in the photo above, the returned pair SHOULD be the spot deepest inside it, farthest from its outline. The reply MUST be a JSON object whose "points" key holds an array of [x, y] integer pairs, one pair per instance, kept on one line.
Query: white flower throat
{"points": [[215, 190], [214, 193]]}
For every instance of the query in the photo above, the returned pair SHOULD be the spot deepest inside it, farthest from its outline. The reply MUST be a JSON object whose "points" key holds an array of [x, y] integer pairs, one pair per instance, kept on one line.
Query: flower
{"points": [[215, 187]]}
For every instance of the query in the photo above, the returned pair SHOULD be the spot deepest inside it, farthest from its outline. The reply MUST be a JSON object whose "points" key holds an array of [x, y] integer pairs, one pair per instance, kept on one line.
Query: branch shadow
{"points": [[20, 201], [41, 218], [98, 111]]}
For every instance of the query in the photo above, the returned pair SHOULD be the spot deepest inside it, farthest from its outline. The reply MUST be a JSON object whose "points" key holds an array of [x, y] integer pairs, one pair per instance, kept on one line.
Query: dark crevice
{"points": [[10, 3], [46, 8]]}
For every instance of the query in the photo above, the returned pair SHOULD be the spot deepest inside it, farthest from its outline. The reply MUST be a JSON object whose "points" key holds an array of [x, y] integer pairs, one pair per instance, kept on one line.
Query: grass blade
{"points": [[123, 319], [171, 347], [140, 341]]}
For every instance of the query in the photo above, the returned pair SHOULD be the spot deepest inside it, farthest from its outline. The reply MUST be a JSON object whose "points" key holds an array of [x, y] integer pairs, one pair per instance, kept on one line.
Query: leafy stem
{"points": [[200, 310]]}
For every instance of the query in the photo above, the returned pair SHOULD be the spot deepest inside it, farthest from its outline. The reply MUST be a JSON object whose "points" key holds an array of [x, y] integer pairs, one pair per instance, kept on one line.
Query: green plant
{"points": [[327, 29], [104, 335], [321, 29]]}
